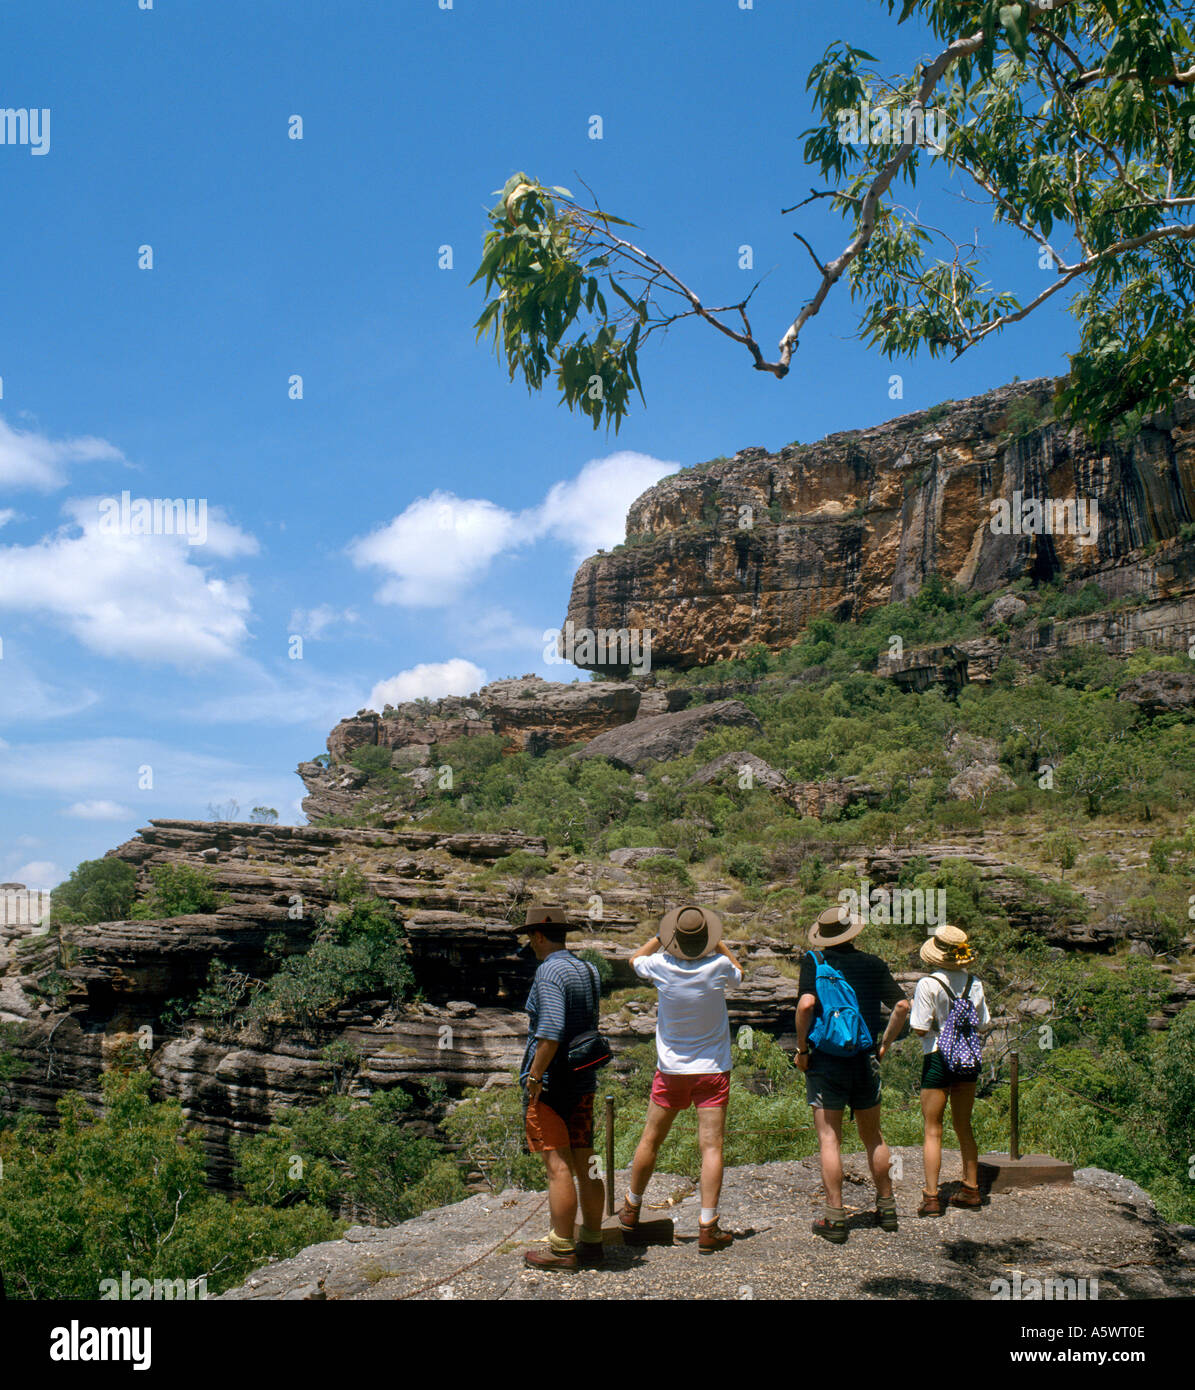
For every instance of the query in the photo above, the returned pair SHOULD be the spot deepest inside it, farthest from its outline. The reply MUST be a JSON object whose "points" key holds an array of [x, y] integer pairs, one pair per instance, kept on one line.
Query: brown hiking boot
{"points": [[966, 1197], [628, 1217], [548, 1259], [712, 1237], [833, 1231]]}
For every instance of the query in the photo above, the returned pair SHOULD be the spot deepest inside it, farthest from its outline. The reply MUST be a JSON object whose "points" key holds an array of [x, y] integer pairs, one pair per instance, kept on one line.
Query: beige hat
{"points": [[834, 926], [690, 931], [947, 947], [543, 915]]}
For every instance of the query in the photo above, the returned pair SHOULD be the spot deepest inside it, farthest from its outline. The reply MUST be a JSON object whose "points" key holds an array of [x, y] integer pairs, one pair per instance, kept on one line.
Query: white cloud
{"points": [[38, 873], [98, 810], [430, 680], [313, 622], [436, 548], [498, 630], [589, 512], [142, 597], [32, 460], [25, 696], [110, 769], [299, 693], [442, 545], [6, 515]]}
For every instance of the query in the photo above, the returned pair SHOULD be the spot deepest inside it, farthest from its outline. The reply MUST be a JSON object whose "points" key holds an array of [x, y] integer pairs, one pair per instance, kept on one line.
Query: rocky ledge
{"points": [[1103, 1228]]}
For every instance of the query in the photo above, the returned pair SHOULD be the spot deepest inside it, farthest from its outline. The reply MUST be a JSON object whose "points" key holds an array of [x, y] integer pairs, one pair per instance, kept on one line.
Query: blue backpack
{"points": [[840, 1029]]}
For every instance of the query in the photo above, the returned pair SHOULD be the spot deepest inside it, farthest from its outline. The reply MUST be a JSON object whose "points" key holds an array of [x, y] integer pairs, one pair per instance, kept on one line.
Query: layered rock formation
{"points": [[750, 550], [529, 715]]}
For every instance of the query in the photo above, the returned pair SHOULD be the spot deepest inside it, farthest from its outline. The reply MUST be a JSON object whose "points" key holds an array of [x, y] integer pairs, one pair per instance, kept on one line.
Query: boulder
{"points": [[977, 780], [1160, 692], [663, 737], [627, 858], [1006, 608]]}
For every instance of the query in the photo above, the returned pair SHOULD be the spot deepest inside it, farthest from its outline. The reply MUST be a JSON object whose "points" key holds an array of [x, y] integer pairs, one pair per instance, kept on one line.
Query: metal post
{"points": [[1014, 1118], [609, 1155]]}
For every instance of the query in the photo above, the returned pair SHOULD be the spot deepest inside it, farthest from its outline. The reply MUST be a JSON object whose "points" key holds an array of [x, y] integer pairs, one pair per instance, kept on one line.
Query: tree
{"points": [[1060, 847], [98, 890], [1070, 119], [127, 1191]]}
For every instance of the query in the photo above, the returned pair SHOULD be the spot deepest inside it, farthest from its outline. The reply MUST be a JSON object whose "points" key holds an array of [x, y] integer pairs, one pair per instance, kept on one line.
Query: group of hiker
{"points": [[842, 1038]]}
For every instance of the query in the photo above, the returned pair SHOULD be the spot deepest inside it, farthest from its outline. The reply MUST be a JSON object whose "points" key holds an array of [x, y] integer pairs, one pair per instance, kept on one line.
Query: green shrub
{"points": [[127, 1191], [352, 1158], [358, 953], [179, 889]]}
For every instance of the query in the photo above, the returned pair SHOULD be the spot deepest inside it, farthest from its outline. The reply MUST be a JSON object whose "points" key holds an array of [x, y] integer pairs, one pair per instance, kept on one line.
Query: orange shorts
{"points": [[547, 1128]]}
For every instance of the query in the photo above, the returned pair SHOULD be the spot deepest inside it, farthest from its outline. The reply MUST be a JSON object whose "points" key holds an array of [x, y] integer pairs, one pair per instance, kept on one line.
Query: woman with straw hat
{"points": [[949, 1009]]}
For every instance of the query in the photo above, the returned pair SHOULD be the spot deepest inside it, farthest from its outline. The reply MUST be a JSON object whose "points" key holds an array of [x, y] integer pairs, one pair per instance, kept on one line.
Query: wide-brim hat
{"points": [[834, 926], [544, 915], [690, 931], [948, 947]]}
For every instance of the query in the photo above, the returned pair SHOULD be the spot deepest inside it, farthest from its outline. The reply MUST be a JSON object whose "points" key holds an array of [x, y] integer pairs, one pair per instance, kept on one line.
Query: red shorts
{"points": [[678, 1090], [549, 1129]]}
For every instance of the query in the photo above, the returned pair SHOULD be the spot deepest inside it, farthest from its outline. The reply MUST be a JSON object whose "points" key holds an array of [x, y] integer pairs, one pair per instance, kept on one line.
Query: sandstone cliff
{"points": [[750, 549]]}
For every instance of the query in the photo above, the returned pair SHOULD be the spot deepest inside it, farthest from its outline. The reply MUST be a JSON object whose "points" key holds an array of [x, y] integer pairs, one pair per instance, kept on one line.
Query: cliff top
{"points": [[1102, 1228]]}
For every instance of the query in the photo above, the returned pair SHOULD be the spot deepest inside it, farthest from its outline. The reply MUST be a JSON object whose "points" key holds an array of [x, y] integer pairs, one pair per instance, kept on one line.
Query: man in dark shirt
{"points": [[832, 1082], [558, 1104]]}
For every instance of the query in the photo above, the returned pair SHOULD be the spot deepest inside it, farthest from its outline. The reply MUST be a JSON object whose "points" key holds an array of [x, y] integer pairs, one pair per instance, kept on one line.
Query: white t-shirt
{"points": [[931, 1004], [692, 1027]]}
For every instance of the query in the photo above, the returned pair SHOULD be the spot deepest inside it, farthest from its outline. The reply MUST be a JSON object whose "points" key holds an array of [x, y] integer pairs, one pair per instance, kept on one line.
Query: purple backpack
{"points": [[958, 1040]]}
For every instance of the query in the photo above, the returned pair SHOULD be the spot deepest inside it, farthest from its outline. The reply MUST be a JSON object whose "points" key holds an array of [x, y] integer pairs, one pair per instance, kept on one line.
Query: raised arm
{"points": [[649, 948], [724, 950]]}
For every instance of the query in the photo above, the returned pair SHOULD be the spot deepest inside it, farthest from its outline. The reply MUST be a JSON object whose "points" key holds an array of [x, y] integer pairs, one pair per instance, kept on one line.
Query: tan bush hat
{"points": [[543, 915], [690, 931], [947, 948], [834, 926]]}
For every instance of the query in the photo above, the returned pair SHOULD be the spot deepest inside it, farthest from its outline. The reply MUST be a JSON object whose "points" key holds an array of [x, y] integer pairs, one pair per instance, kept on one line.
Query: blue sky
{"points": [[416, 518]]}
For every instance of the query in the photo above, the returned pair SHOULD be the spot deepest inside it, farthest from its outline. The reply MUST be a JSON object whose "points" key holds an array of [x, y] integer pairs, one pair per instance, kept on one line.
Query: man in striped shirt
{"points": [[562, 1004]]}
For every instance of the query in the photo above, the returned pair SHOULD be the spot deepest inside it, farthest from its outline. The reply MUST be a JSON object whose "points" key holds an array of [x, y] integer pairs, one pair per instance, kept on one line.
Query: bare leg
{"points": [[591, 1188], [711, 1130], [562, 1193], [655, 1131], [879, 1159], [962, 1102], [829, 1139], [933, 1107]]}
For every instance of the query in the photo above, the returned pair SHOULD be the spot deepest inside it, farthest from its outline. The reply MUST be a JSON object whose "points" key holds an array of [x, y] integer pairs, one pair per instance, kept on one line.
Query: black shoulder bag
{"points": [[588, 1050]]}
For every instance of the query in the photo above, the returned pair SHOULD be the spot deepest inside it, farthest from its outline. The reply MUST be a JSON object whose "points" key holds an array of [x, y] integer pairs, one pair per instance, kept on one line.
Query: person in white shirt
{"points": [[691, 967], [950, 956]]}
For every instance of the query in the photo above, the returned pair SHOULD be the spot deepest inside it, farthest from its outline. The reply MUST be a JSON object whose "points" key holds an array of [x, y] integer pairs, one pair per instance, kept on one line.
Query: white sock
{"points": [[634, 1198], [708, 1215]]}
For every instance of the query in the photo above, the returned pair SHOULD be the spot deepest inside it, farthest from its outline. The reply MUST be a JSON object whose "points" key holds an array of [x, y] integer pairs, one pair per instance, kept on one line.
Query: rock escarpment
{"points": [[750, 549], [1102, 1228]]}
